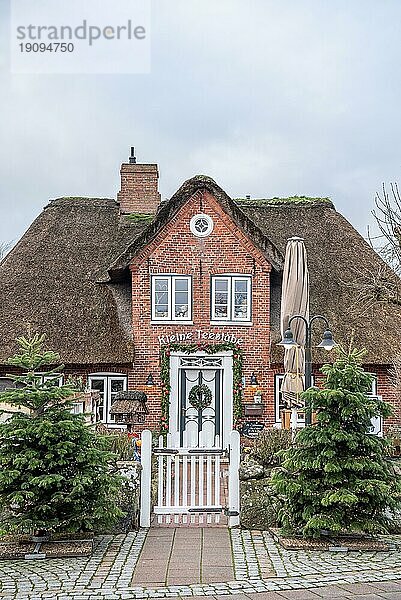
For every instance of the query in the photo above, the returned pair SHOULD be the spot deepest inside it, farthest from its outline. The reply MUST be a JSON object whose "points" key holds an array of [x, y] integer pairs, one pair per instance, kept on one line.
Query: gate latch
{"points": [[231, 513]]}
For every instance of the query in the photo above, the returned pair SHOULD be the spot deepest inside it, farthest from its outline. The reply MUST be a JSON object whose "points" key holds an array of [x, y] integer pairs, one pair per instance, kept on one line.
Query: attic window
{"points": [[201, 225]]}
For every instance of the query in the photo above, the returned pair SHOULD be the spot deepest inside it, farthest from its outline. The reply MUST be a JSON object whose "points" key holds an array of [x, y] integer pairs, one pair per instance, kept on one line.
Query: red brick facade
{"points": [[177, 251]]}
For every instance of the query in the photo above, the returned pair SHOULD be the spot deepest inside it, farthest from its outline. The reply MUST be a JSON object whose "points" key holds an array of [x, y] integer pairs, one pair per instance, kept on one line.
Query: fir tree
{"points": [[336, 476], [54, 471]]}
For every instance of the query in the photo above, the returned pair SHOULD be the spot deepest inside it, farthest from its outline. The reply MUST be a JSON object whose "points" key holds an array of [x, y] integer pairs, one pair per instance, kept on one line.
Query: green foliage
{"points": [[336, 476], [281, 201], [120, 444], [139, 218], [55, 472], [268, 445]]}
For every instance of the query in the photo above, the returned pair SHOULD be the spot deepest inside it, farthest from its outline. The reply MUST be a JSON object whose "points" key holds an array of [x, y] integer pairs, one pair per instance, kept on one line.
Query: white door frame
{"points": [[227, 392]]}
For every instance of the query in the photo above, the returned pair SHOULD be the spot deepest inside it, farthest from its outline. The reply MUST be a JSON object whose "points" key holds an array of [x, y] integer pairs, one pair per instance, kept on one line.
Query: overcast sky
{"points": [[270, 98]]}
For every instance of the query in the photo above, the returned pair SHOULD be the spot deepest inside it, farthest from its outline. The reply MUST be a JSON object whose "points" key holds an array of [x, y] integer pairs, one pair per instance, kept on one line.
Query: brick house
{"points": [[163, 297]]}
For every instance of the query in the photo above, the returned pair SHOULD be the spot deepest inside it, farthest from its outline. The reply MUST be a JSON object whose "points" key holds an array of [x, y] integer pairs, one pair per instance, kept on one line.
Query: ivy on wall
{"points": [[191, 349]]}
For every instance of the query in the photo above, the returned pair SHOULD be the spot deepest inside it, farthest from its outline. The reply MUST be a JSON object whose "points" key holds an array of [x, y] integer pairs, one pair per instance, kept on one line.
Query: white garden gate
{"points": [[194, 485]]}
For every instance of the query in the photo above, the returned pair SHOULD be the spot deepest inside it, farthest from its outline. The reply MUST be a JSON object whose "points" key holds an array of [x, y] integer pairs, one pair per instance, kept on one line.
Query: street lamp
{"points": [[327, 343]]}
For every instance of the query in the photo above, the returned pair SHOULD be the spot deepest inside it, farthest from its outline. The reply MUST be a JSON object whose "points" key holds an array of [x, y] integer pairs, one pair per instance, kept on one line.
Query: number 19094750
{"points": [[42, 47]]}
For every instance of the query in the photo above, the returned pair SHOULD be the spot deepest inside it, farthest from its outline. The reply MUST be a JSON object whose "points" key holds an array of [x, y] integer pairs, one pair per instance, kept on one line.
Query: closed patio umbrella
{"points": [[294, 301]]}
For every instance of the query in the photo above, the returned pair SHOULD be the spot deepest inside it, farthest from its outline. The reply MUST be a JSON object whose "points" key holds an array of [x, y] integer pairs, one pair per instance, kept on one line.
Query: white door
{"points": [[201, 406]]}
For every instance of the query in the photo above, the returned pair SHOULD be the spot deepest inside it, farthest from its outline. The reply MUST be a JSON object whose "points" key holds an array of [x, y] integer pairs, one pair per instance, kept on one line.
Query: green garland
{"points": [[200, 397], [165, 352]]}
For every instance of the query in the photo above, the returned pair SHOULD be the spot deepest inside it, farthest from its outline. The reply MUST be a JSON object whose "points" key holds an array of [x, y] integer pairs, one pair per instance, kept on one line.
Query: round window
{"points": [[201, 225]]}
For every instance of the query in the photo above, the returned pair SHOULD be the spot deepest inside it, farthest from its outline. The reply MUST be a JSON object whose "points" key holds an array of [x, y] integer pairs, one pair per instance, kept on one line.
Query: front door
{"points": [[201, 399]]}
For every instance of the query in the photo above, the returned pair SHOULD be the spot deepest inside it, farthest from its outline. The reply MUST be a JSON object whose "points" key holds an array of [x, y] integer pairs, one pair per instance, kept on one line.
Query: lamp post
{"points": [[327, 343]]}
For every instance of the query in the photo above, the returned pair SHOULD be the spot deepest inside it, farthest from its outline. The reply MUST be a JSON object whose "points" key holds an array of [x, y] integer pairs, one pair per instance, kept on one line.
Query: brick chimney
{"points": [[139, 187]]}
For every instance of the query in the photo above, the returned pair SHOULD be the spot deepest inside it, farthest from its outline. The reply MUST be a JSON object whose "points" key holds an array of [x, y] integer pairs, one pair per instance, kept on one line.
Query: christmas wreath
{"points": [[200, 397]]}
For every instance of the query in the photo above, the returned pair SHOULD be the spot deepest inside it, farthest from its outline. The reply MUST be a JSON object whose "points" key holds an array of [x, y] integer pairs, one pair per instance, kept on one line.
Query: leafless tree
{"points": [[374, 284], [387, 214]]}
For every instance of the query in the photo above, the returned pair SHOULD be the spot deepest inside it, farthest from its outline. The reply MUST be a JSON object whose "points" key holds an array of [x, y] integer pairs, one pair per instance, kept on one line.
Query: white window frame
{"points": [[171, 289], [231, 279], [373, 391], [278, 380], [44, 378], [107, 379]]}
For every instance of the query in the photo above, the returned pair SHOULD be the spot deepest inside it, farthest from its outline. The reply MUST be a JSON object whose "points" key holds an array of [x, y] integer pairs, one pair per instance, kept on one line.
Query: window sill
{"points": [[172, 322], [233, 323]]}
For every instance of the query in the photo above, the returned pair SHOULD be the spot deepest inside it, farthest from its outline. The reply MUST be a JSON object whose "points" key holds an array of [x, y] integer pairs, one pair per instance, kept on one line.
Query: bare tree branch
{"points": [[387, 214], [4, 248]]}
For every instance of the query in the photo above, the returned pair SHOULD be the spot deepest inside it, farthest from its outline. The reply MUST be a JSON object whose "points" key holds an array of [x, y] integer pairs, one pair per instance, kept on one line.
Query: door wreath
{"points": [[200, 397]]}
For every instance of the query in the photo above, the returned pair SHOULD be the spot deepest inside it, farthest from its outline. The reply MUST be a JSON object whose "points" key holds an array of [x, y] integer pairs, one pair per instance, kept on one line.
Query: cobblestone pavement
{"points": [[260, 566]]}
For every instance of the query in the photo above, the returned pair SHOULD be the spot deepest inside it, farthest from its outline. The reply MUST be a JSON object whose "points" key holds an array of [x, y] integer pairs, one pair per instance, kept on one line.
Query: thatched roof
{"points": [[49, 280], [128, 402], [337, 256], [68, 276]]}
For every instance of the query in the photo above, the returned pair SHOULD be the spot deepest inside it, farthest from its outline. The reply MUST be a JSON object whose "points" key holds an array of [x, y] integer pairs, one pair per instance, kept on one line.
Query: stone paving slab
{"points": [[262, 571]]}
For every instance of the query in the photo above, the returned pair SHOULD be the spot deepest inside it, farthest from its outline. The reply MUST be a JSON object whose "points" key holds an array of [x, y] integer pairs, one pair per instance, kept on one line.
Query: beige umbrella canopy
{"points": [[294, 301]]}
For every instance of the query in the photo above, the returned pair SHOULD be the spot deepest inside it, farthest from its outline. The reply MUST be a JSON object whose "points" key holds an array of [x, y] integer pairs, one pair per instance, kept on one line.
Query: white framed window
{"points": [[279, 401], [171, 298], [231, 298], [56, 379], [108, 385]]}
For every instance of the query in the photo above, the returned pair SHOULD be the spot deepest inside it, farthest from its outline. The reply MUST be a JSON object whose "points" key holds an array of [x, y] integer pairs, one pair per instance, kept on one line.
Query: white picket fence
{"points": [[190, 482]]}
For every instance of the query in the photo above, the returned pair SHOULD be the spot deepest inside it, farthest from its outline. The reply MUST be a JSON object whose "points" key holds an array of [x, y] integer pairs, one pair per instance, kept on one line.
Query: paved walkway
{"points": [[260, 570], [183, 556]]}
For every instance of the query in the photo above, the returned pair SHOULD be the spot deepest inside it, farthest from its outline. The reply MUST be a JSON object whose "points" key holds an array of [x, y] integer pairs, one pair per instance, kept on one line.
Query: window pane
{"points": [[181, 304], [221, 298], [97, 384], [161, 285], [221, 285], [220, 311], [117, 385], [161, 304], [240, 299], [181, 297], [181, 310], [161, 298], [181, 285], [241, 286]]}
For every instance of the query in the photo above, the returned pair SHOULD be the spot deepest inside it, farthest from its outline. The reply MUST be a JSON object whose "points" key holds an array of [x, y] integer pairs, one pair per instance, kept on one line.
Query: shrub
{"points": [[268, 444], [336, 476], [55, 472], [120, 444]]}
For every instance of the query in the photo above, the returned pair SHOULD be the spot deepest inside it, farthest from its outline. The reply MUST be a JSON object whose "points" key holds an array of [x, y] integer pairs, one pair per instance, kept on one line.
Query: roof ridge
{"points": [[290, 201]]}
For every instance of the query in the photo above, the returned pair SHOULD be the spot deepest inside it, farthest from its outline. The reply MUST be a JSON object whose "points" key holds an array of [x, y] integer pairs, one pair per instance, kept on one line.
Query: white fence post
{"points": [[233, 480], [146, 477]]}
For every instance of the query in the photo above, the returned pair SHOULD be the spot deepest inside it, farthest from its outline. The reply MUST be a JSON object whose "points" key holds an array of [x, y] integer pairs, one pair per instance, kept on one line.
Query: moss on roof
{"points": [[291, 200], [139, 218]]}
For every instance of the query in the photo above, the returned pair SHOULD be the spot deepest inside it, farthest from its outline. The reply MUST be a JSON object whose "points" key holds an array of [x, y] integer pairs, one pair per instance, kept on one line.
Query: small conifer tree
{"points": [[54, 471], [336, 476]]}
